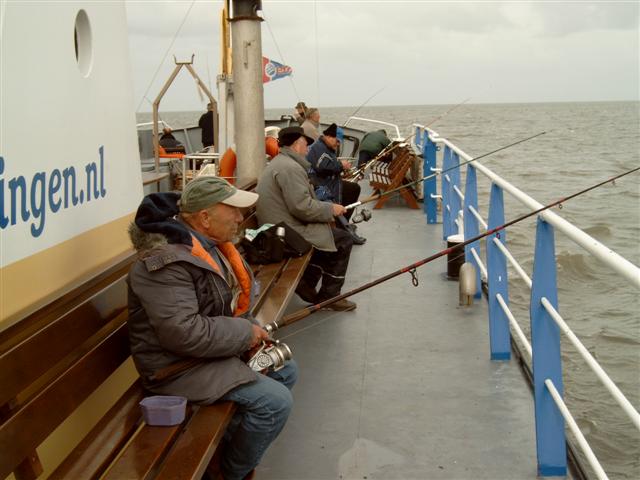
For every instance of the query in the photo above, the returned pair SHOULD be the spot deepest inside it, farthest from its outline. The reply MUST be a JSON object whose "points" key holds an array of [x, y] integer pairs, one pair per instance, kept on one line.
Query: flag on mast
{"points": [[272, 70]]}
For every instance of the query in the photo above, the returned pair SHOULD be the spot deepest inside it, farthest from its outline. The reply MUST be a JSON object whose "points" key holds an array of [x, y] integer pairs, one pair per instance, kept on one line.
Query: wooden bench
{"points": [[389, 176], [54, 359]]}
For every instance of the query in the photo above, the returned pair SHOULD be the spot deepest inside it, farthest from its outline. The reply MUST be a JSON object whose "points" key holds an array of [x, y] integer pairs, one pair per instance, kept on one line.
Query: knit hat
{"points": [[331, 130], [204, 192]]}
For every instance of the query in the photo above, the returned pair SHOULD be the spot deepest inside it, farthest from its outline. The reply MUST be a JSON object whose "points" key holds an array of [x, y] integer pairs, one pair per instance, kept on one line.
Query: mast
{"points": [[248, 90]]}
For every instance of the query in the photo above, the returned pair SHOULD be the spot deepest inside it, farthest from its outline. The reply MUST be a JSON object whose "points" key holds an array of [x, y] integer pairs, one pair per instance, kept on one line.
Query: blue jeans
{"points": [[263, 409]]}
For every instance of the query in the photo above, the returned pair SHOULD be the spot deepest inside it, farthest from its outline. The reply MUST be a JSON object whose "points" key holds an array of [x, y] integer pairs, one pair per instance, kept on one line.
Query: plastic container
{"points": [[163, 410]]}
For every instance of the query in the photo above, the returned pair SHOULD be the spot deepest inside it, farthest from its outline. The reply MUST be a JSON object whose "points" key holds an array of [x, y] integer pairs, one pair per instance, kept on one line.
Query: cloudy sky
{"points": [[418, 52]]}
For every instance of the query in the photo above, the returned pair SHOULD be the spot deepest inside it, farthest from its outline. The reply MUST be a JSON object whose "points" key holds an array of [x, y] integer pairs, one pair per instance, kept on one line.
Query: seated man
{"points": [[325, 174], [371, 145], [169, 142], [287, 196], [190, 294]]}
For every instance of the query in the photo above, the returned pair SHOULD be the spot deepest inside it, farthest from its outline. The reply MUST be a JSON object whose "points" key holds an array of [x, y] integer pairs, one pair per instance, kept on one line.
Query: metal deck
{"points": [[402, 387]]}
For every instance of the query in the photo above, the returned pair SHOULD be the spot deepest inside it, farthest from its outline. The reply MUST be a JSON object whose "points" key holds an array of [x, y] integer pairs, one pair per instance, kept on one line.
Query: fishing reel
{"points": [[270, 355], [363, 215]]}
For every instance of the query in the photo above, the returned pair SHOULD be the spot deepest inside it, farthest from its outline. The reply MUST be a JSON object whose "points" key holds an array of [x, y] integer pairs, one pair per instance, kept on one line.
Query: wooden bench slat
{"points": [[34, 421], [280, 294], [93, 455], [193, 451], [59, 339], [143, 454]]}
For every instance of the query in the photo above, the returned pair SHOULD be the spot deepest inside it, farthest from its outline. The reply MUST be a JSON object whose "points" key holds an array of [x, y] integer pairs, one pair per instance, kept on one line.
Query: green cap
{"points": [[204, 192]]}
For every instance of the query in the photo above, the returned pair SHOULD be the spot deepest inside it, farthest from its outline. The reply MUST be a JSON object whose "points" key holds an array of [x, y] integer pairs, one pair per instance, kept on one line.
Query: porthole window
{"points": [[82, 42]]}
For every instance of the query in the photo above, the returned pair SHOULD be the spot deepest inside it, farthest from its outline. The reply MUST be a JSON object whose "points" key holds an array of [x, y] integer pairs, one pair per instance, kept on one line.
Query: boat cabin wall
{"points": [[70, 177]]}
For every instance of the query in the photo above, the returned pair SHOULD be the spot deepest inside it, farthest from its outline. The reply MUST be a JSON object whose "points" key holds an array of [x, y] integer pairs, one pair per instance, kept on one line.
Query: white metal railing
{"points": [[398, 137], [611, 259]]}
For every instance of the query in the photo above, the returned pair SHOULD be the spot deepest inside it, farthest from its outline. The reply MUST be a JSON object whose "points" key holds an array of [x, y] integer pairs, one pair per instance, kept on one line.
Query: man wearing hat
{"points": [[287, 196], [190, 293]]}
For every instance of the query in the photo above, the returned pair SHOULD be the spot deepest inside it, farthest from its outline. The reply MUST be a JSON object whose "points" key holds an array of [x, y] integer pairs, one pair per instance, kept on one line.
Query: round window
{"points": [[82, 40]]}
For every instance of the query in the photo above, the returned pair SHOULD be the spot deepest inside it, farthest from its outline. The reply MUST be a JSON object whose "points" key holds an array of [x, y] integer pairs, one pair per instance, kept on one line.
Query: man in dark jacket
{"points": [[190, 294], [372, 144], [206, 124], [287, 196], [325, 175]]}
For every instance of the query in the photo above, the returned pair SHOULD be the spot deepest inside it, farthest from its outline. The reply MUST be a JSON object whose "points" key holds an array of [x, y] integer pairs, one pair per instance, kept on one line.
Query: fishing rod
{"points": [[365, 102], [359, 171], [305, 312], [378, 196]]}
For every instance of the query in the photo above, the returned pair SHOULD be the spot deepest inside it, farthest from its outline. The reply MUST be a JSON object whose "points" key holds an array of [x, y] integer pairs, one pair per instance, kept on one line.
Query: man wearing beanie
{"points": [[190, 294], [287, 196]]}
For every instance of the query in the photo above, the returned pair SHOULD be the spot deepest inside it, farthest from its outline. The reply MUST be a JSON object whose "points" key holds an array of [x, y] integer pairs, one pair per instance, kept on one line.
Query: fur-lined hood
{"points": [[156, 223]]}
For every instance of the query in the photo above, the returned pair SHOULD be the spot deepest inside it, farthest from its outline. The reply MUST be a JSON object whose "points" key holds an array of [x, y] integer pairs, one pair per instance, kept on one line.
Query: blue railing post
{"points": [[454, 199], [429, 186], [445, 188], [471, 227], [545, 343], [499, 334]]}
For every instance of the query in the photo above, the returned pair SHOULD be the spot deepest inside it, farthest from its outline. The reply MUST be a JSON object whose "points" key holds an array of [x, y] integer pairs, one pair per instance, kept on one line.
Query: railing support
{"points": [[454, 199], [545, 342], [499, 334], [445, 188], [471, 227], [429, 187]]}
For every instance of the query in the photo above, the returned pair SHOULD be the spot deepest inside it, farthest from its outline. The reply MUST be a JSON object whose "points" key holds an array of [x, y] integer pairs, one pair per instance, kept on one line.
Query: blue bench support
{"points": [[454, 199], [445, 188], [499, 333], [430, 204], [547, 363], [471, 227]]}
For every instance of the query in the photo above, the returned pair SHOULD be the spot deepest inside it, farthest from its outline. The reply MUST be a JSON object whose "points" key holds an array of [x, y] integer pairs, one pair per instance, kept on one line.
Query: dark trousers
{"points": [[363, 158], [350, 194], [330, 266]]}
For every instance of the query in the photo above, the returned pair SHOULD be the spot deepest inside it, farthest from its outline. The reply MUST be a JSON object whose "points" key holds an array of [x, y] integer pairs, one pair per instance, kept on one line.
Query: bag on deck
{"points": [[268, 247]]}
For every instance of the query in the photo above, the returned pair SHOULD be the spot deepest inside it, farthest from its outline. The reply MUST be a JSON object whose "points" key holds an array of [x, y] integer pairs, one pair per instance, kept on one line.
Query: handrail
{"points": [[362, 119], [610, 258]]}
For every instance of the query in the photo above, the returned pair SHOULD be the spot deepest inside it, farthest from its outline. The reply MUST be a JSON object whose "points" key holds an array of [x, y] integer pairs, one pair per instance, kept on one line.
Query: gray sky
{"points": [[421, 52]]}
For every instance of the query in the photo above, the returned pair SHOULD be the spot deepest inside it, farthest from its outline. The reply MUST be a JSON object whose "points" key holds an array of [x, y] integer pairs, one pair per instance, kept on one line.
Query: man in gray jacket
{"points": [[286, 195], [190, 294]]}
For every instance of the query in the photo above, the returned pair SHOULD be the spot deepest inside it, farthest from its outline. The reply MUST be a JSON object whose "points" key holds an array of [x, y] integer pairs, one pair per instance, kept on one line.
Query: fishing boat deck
{"points": [[402, 387]]}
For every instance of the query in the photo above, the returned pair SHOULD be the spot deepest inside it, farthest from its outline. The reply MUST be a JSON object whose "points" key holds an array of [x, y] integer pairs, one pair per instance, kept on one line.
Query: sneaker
{"points": [[306, 293], [342, 305]]}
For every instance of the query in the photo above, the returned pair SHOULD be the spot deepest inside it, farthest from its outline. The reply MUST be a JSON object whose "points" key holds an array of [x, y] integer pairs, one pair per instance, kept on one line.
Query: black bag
{"points": [[268, 247]]}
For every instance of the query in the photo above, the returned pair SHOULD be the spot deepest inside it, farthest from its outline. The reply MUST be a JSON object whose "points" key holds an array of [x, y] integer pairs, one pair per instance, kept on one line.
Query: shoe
{"points": [[306, 293], [357, 239], [342, 305]]}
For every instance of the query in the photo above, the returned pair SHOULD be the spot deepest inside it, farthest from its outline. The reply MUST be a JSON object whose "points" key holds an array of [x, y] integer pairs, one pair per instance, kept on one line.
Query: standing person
{"points": [[372, 144], [287, 196], [325, 175], [311, 125], [300, 113], [206, 124], [190, 294]]}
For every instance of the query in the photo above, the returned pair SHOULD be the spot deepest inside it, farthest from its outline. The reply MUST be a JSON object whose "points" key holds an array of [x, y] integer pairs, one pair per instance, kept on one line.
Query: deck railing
{"points": [[543, 351]]}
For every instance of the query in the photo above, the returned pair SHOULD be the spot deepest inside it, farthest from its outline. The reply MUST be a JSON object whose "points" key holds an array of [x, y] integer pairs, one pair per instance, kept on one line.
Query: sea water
{"points": [[585, 143]]}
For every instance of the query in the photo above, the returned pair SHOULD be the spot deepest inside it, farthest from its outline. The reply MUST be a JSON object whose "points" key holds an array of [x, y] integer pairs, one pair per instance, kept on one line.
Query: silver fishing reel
{"points": [[363, 215], [270, 355]]}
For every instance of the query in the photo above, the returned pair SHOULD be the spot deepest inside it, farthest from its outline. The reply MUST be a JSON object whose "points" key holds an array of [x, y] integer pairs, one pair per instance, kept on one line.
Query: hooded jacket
{"points": [[325, 171], [287, 196], [180, 307]]}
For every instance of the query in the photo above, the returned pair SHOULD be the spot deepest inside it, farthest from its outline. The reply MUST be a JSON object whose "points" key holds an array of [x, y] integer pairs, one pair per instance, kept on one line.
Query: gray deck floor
{"points": [[402, 387]]}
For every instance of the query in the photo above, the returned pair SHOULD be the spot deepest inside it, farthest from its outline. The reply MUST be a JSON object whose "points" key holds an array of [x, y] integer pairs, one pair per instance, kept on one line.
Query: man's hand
{"points": [[346, 165], [258, 335], [338, 209]]}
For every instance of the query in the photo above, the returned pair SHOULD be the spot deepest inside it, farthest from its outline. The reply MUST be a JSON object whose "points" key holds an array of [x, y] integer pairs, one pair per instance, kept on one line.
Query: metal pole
{"points": [[248, 89]]}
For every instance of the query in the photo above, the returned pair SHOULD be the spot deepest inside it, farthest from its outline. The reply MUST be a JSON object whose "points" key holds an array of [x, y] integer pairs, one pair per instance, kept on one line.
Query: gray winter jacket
{"points": [[287, 196], [180, 308]]}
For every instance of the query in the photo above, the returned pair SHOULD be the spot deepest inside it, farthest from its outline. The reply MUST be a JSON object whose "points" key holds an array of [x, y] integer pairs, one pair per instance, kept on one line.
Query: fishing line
{"points": [[363, 104], [175, 36], [401, 187], [303, 313]]}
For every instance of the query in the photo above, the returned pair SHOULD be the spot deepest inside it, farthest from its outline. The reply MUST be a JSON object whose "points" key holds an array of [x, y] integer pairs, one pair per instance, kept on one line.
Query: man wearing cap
{"points": [[287, 196], [190, 294]]}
